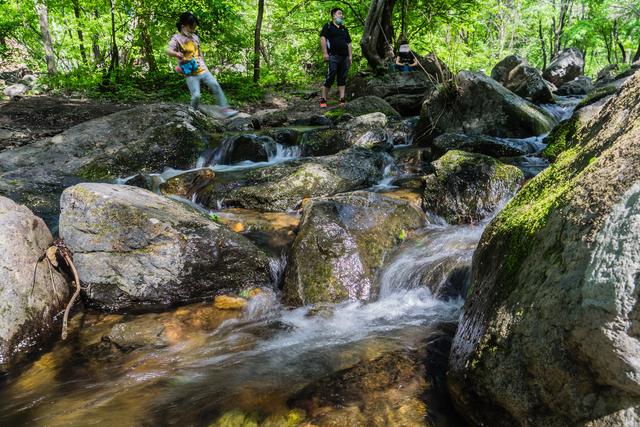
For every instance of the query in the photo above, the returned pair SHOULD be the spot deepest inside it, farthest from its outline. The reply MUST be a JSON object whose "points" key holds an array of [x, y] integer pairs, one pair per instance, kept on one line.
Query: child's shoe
{"points": [[228, 112]]}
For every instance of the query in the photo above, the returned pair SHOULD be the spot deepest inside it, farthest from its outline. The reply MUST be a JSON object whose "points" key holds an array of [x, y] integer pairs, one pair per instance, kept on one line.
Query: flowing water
{"points": [[255, 361], [203, 362]]}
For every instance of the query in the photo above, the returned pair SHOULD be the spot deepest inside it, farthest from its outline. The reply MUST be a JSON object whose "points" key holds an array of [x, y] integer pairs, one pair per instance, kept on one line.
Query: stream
{"points": [[191, 365]]}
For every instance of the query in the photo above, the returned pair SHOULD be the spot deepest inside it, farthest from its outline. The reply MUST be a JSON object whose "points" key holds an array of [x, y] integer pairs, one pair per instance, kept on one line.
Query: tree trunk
{"points": [[114, 47], [377, 35], [256, 42], [636, 56], [544, 49], [620, 45], [95, 48], [76, 12], [43, 16]]}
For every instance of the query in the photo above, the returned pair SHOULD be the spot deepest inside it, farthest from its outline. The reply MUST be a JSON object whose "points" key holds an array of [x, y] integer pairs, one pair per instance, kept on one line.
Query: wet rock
{"points": [[368, 131], [282, 187], [16, 90], [240, 123], [412, 160], [549, 332], [324, 142], [135, 250], [313, 120], [579, 86], [245, 147], [341, 245], [402, 131], [481, 144], [527, 82], [226, 302], [285, 136], [369, 104], [144, 139], [477, 104], [467, 187], [502, 69], [28, 303], [402, 91], [565, 66], [270, 118]]}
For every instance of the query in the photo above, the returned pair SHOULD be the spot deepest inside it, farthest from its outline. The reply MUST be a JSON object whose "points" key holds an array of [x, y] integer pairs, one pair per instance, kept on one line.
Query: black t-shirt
{"points": [[338, 39], [406, 57]]}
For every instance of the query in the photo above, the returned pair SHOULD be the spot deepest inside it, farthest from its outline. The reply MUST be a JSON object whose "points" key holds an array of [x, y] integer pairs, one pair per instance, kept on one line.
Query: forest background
{"points": [[115, 49]]}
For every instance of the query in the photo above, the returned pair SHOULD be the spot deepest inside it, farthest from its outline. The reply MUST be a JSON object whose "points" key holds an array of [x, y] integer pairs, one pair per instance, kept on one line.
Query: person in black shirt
{"points": [[405, 59], [336, 48]]}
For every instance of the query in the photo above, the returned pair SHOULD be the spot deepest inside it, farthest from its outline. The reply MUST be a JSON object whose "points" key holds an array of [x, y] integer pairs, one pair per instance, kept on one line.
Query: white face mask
{"points": [[404, 48]]}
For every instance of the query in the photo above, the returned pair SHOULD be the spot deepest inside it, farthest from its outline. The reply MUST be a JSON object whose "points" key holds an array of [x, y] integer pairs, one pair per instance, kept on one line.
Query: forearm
{"points": [[350, 51], [323, 45], [173, 53]]}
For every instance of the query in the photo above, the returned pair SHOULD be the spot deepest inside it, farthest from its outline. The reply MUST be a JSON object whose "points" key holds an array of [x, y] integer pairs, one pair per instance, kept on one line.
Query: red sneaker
{"points": [[323, 103]]}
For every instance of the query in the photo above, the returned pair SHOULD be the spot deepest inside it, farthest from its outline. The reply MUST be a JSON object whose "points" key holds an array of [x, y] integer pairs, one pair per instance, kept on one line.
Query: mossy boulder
{"points": [[548, 334], [477, 104], [467, 187], [31, 293], [482, 144], [136, 250], [283, 186], [369, 104], [341, 245]]}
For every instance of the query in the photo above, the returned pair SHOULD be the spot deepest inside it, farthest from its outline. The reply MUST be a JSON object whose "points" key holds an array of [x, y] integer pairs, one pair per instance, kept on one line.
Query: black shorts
{"points": [[338, 66]]}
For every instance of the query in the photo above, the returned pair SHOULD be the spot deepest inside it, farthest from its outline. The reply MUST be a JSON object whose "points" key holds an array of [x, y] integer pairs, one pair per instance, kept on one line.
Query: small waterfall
{"points": [[438, 259], [249, 150], [563, 108]]}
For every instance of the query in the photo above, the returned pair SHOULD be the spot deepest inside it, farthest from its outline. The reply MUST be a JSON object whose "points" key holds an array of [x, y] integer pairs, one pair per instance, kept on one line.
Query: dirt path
{"points": [[28, 119]]}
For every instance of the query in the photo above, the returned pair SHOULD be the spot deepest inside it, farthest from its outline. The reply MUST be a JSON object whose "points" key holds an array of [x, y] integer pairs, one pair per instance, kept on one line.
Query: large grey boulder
{"points": [[282, 187], [466, 187], [565, 66], [527, 82], [549, 333], [477, 104], [341, 245], [501, 70], [146, 138], [136, 250], [28, 303]]}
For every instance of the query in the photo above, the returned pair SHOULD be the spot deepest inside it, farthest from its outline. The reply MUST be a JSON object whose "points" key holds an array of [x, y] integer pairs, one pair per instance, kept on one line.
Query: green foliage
{"points": [[465, 34]]}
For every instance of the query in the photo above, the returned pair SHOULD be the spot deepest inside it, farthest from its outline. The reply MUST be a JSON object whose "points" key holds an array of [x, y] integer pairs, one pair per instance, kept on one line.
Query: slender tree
{"points": [[43, 17], [256, 42], [76, 13]]}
